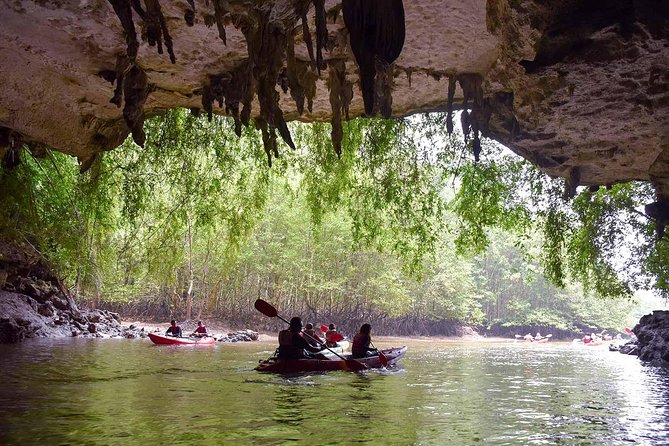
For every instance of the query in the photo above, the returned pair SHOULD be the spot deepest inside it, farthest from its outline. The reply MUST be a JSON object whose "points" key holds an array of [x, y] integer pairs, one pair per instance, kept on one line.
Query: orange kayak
{"points": [[171, 340]]}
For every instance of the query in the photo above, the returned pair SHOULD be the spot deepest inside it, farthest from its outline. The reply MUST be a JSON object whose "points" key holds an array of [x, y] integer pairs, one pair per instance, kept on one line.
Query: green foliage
{"points": [[404, 223]]}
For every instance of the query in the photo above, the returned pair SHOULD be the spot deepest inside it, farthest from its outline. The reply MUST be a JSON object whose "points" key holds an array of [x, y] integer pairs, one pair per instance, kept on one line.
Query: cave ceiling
{"points": [[579, 88]]}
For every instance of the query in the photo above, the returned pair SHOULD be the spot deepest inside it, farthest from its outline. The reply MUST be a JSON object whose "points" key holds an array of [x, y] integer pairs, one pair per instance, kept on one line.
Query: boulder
{"points": [[652, 333], [19, 318]]}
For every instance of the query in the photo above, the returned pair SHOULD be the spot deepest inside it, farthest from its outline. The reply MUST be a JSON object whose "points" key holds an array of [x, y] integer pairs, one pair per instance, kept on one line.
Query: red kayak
{"points": [[276, 365], [171, 340]]}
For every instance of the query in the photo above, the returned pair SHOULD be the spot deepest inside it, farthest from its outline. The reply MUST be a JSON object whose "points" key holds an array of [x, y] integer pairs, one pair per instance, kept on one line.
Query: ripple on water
{"points": [[445, 393]]}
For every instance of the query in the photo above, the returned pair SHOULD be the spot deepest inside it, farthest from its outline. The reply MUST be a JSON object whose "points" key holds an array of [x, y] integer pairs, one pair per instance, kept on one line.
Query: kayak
{"points": [[171, 340], [341, 347], [537, 341], [276, 365]]}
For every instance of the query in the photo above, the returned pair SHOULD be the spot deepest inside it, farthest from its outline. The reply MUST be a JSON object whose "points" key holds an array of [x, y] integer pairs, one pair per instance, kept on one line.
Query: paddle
{"points": [[337, 337], [382, 357], [269, 311]]}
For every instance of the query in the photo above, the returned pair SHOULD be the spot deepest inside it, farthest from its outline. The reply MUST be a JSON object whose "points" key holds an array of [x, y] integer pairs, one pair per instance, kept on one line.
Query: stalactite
{"points": [[136, 88], [266, 43], [449, 104], [132, 85], [383, 83], [376, 29], [321, 33], [124, 13], [341, 93], [189, 15], [472, 90], [306, 36], [268, 30], [122, 65], [230, 88], [572, 181], [471, 84], [268, 139], [157, 31], [301, 81], [220, 11]]}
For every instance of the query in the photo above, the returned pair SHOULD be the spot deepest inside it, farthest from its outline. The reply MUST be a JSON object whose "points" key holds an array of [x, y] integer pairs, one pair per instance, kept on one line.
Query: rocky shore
{"points": [[652, 342], [38, 309], [34, 303]]}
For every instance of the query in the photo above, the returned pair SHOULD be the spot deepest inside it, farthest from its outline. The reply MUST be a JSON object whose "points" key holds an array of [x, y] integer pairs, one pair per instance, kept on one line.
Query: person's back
{"points": [[362, 341], [291, 343], [286, 349]]}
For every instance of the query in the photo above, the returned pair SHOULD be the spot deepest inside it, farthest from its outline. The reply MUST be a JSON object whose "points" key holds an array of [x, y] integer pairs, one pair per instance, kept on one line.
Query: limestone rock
{"points": [[580, 88], [653, 337]]}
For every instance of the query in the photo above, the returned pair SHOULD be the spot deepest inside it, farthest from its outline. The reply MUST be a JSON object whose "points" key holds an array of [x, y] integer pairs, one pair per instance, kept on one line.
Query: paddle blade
{"points": [[628, 331], [355, 366], [324, 328], [549, 335], [337, 337], [383, 359], [265, 308]]}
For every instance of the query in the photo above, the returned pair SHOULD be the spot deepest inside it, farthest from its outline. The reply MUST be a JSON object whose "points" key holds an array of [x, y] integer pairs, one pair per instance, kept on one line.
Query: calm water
{"points": [[129, 392]]}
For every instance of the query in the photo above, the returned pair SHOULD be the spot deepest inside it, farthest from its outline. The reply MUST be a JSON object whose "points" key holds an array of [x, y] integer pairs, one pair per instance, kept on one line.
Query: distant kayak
{"points": [[275, 365], [171, 340]]}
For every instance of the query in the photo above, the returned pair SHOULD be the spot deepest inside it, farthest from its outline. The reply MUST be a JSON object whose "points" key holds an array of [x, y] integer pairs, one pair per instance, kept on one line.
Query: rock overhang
{"points": [[580, 89]]}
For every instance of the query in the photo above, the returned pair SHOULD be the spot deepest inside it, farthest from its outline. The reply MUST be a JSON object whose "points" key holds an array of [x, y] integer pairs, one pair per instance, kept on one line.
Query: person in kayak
{"points": [[292, 345], [312, 337], [332, 330], [361, 343], [200, 331], [174, 329]]}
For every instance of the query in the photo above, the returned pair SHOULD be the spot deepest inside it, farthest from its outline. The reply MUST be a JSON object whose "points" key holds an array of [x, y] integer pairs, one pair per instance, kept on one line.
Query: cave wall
{"points": [[581, 89]]}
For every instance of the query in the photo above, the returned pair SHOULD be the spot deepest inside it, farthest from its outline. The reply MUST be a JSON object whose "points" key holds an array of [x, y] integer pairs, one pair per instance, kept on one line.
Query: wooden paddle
{"points": [[269, 311]]}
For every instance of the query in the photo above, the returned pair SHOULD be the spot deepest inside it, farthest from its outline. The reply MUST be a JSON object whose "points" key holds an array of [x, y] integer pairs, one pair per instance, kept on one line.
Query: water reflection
{"points": [[126, 392]]}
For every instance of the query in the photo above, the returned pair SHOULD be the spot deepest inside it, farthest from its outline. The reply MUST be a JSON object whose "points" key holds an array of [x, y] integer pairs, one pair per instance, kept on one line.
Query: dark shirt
{"points": [[174, 331], [360, 345], [292, 345], [201, 330]]}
